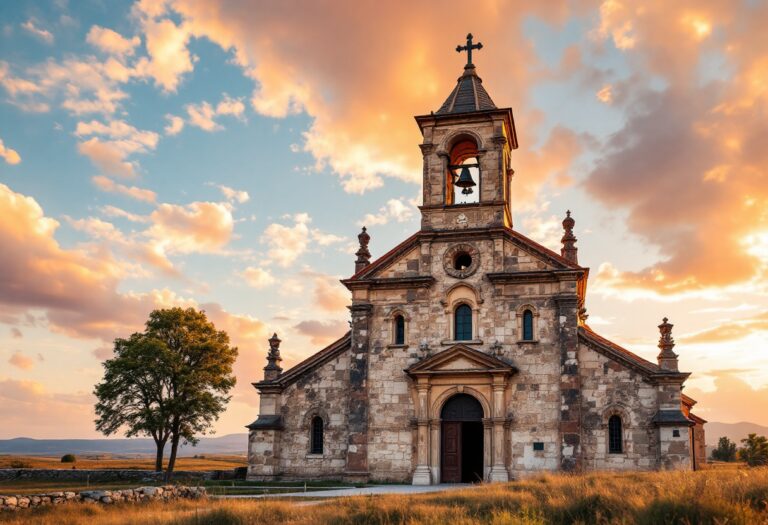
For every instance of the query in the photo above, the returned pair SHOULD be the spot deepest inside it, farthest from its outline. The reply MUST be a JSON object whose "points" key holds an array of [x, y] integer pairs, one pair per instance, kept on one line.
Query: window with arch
{"points": [[463, 180], [399, 329], [615, 444], [316, 436], [462, 323], [527, 325]]}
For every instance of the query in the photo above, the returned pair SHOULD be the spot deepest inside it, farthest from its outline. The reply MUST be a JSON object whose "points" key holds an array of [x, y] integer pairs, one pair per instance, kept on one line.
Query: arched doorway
{"points": [[461, 455]]}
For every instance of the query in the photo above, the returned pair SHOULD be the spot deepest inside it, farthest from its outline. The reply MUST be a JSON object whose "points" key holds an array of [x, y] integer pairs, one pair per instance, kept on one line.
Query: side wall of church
{"points": [[609, 388], [323, 392]]}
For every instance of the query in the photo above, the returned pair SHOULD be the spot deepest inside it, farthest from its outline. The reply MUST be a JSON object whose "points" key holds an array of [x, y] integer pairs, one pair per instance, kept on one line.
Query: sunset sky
{"points": [[224, 155]]}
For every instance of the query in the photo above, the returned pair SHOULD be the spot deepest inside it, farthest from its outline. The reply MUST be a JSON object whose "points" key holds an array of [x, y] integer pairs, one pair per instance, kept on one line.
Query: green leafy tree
{"points": [[134, 392], [68, 458], [755, 451], [171, 381], [725, 451]]}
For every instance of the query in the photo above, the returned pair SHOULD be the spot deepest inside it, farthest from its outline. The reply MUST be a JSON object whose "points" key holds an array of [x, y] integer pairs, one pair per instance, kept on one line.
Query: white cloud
{"points": [[230, 106], [114, 211], [42, 34], [202, 115], [287, 243], [107, 184], [258, 277], [394, 210], [111, 42], [110, 156], [11, 156], [234, 195], [169, 57], [175, 125], [201, 227]]}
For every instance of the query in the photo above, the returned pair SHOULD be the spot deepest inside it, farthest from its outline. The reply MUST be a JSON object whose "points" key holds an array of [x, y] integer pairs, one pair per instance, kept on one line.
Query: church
{"points": [[469, 356]]}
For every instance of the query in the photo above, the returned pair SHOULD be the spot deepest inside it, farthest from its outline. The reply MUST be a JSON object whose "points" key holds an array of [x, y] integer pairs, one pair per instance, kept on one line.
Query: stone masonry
{"points": [[554, 394]]}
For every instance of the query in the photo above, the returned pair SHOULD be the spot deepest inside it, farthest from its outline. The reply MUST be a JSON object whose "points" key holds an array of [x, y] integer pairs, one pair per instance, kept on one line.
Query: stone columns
{"points": [[422, 475], [357, 444], [570, 383], [499, 469]]}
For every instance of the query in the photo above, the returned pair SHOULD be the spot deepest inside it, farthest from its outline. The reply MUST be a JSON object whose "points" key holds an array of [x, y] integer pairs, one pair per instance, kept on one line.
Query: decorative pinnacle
{"points": [[569, 250], [468, 48], [363, 255], [273, 369], [667, 358]]}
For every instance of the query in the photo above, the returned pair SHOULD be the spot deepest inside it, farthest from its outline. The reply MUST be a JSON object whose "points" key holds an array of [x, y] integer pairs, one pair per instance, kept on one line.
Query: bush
{"points": [[17, 463], [755, 451], [68, 458]]}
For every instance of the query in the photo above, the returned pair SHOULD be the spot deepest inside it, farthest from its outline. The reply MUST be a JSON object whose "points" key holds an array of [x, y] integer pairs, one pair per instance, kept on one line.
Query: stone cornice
{"points": [[423, 281], [535, 276]]}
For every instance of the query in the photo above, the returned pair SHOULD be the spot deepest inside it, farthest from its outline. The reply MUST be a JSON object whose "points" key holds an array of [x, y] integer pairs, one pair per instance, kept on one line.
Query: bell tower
{"points": [[466, 148]]}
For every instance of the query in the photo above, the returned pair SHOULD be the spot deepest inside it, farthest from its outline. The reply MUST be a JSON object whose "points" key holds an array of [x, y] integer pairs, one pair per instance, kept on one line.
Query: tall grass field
{"points": [[709, 497]]}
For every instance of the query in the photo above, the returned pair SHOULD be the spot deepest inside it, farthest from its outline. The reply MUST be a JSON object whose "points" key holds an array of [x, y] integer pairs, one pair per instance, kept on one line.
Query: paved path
{"points": [[364, 491]]}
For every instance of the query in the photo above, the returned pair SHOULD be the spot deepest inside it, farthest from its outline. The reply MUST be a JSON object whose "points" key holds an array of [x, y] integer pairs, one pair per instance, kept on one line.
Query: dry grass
{"points": [[687, 498], [105, 461]]}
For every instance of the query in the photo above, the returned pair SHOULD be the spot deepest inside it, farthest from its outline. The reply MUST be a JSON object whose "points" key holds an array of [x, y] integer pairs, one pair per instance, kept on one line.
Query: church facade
{"points": [[469, 356]]}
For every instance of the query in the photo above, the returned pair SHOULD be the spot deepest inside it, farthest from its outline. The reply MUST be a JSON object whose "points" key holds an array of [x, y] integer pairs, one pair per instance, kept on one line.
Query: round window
{"points": [[462, 261]]}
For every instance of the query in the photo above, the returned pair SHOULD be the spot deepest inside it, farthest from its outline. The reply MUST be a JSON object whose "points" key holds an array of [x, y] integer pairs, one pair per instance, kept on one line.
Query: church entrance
{"points": [[462, 440]]}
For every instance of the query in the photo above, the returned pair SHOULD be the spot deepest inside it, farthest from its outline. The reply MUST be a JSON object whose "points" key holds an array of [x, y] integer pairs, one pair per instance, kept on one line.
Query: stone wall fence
{"points": [[105, 497]]}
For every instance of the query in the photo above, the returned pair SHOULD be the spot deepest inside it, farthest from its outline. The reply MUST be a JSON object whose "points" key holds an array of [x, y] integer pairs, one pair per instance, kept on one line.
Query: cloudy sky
{"points": [[224, 154]]}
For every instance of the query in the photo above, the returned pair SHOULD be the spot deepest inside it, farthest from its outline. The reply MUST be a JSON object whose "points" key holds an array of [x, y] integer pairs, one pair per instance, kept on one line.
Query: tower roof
{"points": [[468, 95]]}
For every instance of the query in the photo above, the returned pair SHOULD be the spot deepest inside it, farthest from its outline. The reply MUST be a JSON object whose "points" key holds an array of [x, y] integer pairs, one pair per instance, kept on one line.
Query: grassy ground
{"points": [[208, 462], [687, 498]]}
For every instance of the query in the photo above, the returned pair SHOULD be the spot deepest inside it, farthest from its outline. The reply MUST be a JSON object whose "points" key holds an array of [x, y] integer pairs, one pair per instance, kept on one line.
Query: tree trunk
{"points": [[172, 458], [160, 444]]}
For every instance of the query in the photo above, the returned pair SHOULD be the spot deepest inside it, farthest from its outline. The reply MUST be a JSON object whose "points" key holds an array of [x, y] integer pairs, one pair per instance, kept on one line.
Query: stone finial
{"points": [[667, 358], [272, 370], [363, 255], [569, 250]]}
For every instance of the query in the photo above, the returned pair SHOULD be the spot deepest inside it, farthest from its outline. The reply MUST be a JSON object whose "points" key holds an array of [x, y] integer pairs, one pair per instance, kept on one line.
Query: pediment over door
{"points": [[460, 359]]}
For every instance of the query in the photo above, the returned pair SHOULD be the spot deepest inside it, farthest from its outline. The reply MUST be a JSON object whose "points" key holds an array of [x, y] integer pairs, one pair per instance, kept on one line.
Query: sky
{"points": [[224, 155]]}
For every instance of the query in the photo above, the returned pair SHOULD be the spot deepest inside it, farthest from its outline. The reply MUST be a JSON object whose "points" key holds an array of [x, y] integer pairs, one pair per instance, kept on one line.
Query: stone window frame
{"points": [[519, 313], [449, 258], [623, 413], [309, 416], [454, 299], [392, 318]]}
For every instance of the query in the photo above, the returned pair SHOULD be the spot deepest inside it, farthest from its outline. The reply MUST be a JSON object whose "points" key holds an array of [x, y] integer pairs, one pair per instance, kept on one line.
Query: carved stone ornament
{"points": [[458, 254]]}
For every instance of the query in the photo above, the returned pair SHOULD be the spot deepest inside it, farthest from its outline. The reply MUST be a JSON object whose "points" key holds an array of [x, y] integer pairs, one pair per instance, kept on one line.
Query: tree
{"points": [[68, 458], [170, 382], [725, 451], [755, 450], [133, 395]]}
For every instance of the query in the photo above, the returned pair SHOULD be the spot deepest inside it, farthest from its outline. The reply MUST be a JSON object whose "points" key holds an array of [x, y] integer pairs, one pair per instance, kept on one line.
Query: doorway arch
{"points": [[462, 443]]}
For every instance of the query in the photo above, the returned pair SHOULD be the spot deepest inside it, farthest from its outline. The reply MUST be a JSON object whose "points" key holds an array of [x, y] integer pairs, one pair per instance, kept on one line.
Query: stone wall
{"points": [[107, 497], [323, 392], [97, 476], [608, 388]]}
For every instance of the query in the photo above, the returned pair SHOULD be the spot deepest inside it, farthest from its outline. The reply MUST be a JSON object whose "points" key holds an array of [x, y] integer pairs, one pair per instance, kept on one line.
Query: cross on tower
{"points": [[468, 48]]}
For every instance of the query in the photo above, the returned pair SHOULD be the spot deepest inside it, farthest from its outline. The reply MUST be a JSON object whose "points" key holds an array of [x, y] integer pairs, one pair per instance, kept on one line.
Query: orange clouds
{"points": [[11, 156], [362, 97], [733, 400], [729, 331], [203, 227], [690, 164]]}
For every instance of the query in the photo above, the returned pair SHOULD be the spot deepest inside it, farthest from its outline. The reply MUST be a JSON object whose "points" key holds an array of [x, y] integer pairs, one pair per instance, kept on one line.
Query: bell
{"points": [[465, 179], [466, 191]]}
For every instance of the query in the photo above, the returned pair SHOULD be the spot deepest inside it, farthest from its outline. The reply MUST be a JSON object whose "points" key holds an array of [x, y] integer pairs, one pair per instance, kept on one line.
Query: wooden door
{"points": [[451, 452]]}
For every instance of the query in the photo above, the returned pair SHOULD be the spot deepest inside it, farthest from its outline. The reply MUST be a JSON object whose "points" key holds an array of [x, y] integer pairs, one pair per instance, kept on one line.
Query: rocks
{"points": [[97, 476], [103, 497]]}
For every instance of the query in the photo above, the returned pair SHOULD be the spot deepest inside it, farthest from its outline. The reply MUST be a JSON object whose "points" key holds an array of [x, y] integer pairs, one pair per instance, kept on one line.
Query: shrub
{"points": [[17, 463], [68, 458], [725, 451], [755, 451]]}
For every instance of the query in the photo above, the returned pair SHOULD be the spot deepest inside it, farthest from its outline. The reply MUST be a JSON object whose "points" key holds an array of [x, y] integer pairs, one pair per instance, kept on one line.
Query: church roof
{"points": [[468, 95], [292, 374]]}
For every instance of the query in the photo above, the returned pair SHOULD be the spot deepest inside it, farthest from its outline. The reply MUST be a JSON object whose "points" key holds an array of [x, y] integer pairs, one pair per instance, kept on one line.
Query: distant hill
{"points": [[228, 444], [733, 431]]}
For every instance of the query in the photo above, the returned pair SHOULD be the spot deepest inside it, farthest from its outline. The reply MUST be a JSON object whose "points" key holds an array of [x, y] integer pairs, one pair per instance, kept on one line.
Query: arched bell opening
{"points": [[462, 442], [463, 178]]}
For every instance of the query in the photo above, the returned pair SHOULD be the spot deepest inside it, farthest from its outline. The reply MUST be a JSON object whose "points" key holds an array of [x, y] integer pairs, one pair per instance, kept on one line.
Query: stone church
{"points": [[469, 357]]}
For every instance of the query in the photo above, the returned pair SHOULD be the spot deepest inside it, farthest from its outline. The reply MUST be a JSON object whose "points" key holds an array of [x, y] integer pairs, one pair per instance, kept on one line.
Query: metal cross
{"points": [[468, 48]]}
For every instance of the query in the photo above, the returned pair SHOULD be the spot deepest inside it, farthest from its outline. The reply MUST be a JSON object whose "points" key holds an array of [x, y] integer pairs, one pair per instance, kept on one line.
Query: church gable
{"points": [[404, 265], [460, 358], [522, 254]]}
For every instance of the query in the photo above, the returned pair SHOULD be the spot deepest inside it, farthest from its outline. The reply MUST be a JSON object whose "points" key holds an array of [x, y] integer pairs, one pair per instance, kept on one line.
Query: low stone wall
{"points": [[97, 476], [106, 497]]}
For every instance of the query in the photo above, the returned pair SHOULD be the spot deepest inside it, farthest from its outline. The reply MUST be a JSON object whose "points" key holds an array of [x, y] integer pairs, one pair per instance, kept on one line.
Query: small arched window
{"points": [[316, 437], [399, 330], [615, 445], [527, 325], [463, 323]]}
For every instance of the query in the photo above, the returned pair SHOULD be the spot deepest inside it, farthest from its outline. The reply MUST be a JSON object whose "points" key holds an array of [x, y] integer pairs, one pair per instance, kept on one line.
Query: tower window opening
{"points": [[463, 179]]}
